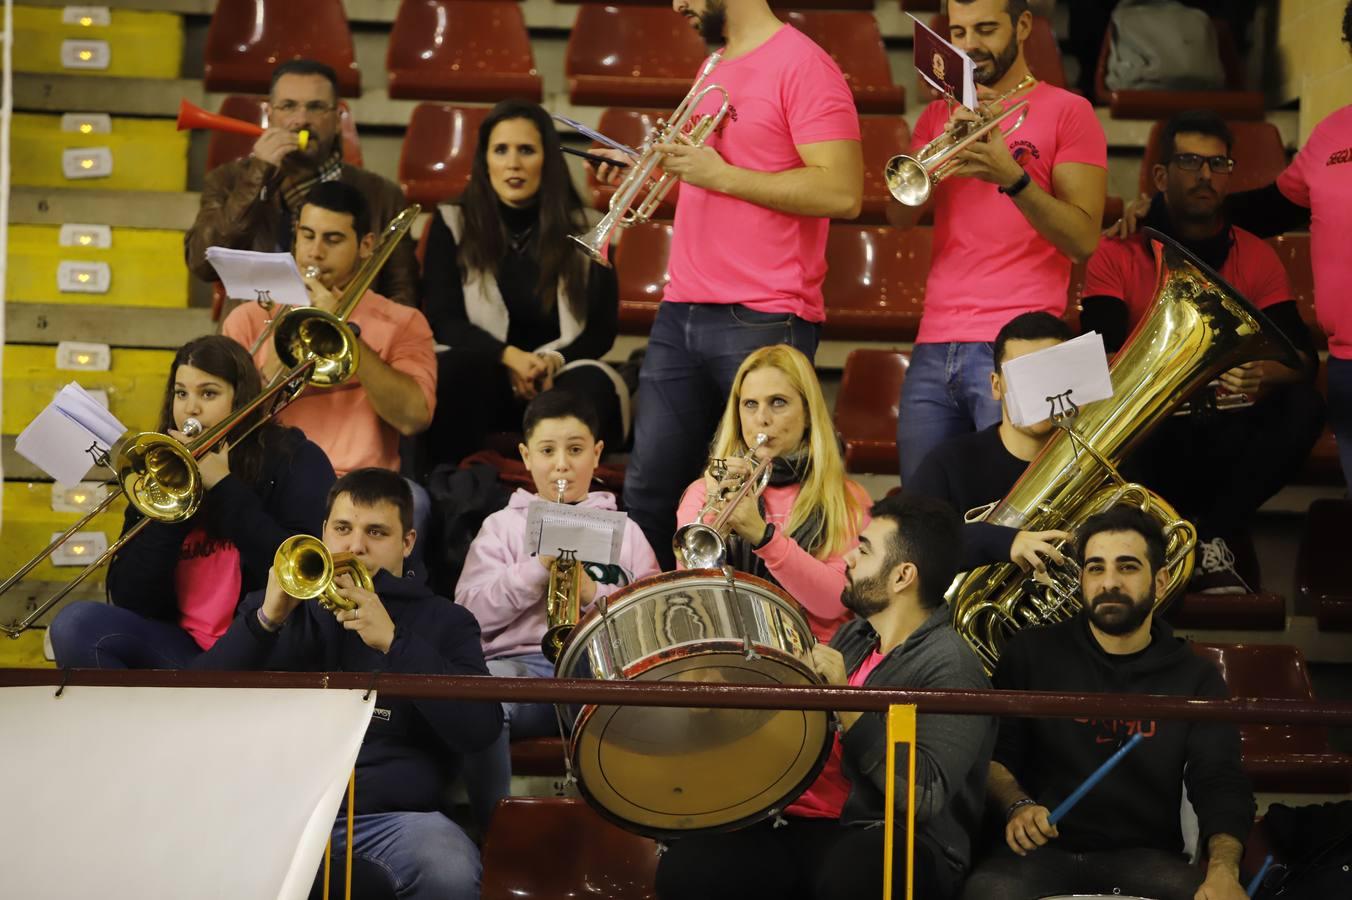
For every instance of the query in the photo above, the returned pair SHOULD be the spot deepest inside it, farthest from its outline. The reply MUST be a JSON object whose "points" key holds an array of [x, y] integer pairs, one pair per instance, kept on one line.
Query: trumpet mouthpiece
{"points": [[303, 138], [760, 441], [191, 428]]}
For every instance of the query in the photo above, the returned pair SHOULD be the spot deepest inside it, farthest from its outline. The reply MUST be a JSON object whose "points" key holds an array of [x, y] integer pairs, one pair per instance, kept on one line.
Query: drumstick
{"points": [[1258, 879], [1088, 785]]}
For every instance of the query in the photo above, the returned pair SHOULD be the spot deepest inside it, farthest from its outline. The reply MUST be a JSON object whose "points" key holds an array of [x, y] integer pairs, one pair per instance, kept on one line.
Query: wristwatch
{"points": [[1013, 190]]}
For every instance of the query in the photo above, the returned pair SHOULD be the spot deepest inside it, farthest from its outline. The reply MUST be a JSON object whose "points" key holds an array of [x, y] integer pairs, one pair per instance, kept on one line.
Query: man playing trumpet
{"points": [[1008, 222]]}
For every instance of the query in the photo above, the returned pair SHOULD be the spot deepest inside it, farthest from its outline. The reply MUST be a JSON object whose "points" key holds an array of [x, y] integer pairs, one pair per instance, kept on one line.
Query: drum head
{"points": [[1093, 897]]}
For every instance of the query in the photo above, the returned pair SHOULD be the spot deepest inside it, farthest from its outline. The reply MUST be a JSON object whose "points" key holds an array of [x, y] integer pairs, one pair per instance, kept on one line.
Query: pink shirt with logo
{"points": [[1320, 178], [989, 263], [785, 93], [826, 797], [207, 582]]}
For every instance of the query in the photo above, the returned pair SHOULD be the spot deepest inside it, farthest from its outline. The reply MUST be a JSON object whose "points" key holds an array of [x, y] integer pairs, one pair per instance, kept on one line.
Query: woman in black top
{"points": [[517, 302], [174, 587]]}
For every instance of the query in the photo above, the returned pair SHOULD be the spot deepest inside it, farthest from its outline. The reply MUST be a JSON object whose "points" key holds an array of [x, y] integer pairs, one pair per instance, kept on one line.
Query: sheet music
{"points": [[947, 69], [250, 275], [68, 438], [1072, 372], [595, 535]]}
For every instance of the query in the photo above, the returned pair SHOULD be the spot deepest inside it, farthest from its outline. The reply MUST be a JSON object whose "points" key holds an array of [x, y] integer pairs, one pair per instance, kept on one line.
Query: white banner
{"points": [[150, 793]]}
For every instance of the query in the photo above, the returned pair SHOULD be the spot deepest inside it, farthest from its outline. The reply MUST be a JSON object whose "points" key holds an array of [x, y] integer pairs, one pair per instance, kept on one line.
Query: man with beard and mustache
{"points": [[1217, 467], [252, 203], [748, 249], [828, 844], [1008, 223], [1125, 835]]}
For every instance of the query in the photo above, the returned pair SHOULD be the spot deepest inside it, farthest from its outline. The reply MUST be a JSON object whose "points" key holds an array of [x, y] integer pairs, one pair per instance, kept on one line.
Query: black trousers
{"points": [[805, 859], [1050, 870]]}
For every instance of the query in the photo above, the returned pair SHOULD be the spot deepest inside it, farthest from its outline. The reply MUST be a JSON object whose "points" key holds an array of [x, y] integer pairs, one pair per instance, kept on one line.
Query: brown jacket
{"points": [[238, 212]]}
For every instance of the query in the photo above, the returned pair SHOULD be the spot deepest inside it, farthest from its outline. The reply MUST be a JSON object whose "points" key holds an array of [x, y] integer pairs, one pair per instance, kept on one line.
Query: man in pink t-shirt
{"points": [[1216, 466], [1008, 224], [748, 251], [829, 839]]}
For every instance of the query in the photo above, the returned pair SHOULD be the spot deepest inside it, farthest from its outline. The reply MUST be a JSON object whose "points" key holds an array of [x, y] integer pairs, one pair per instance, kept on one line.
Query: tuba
{"points": [[307, 570], [563, 599], [1197, 327], [701, 546]]}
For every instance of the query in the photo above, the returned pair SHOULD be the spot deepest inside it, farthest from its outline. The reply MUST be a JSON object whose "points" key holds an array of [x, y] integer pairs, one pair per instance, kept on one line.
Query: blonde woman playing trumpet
{"points": [[796, 531]]}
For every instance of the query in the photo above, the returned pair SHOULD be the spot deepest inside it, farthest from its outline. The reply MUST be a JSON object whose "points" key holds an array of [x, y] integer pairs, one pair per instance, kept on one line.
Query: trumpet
{"points": [[596, 242], [911, 179], [563, 599], [701, 546], [307, 570]]}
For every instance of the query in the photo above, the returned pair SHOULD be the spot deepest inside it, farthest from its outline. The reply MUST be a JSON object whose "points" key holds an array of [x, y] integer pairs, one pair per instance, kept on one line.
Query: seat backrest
{"points": [[247, 39], [1258, 153], [630, 127], [870, 376], [224, 147], [882, 137], [633, 42], [460, 37], [641, 262], [1267, 671], [877, 269], [853, 40], [560, 847], [1041, 51], [438, 151]]}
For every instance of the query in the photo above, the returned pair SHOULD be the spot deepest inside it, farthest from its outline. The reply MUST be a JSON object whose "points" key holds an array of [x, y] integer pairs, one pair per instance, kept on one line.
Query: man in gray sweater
{"points": [[829, 842]]}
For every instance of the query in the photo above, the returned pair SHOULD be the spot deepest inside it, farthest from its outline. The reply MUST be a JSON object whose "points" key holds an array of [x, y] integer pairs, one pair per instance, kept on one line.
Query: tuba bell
{"points": [[1197, 327], [307, 570]]}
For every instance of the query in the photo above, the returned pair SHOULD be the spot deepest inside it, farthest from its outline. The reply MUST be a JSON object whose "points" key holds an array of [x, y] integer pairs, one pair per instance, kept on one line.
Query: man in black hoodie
{"points": [[410, 749], [829, 843], [1125, 835]]}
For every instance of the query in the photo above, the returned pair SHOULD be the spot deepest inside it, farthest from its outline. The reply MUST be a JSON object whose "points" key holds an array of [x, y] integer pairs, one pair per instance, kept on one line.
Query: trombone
{"points": [[701, 546], [911, 179], [596, 242], [159, 474]]}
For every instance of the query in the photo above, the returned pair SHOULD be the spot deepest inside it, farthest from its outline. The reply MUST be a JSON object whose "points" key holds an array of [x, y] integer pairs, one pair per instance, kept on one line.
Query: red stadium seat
{"points": [[1279, 757], [866, 409], [1258, 153], [538, 756], [883, 137], [875, 282], [434, 164], [1323, 569], [247, 39], [1235, 102], [1041, 50], [223, 147], [630, 127], [631, 56], [1263, 611], [641, 269], [854, 42], [466, 50], [556, 847]]}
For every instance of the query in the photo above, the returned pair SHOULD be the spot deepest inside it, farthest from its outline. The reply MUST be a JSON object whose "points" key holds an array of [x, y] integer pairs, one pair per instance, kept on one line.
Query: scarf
{"points": [[784, 470], [294, 191]]}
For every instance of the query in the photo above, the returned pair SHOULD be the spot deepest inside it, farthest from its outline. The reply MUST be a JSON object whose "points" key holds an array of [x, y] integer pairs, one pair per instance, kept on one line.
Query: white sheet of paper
{"points": [[968, 68], [67, 437], [250, 275], [595, 535], [1076, 370]]}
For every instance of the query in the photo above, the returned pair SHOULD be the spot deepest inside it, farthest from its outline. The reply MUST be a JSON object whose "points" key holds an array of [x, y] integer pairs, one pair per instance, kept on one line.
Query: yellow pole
{"points": [[900, 730]]}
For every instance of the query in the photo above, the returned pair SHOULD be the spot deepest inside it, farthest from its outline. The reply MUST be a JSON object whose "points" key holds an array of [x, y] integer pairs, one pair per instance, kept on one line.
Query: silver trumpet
{"points": [[701, 546], [596, 242]]}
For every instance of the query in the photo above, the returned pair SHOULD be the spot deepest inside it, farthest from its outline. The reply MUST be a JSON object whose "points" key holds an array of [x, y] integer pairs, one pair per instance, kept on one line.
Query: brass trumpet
{"points": [[701, 546], [563, 599], [911, 179], [596, 242], [307, 570]]}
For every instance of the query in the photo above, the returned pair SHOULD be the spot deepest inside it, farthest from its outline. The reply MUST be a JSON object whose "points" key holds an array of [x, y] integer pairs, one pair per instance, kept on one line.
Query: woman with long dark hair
{"points": [[173, 589], [519, 305]]}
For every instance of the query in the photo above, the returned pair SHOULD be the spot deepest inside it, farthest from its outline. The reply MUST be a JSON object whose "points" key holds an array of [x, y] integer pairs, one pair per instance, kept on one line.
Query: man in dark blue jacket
{"points": [[411, 746], [829, 845]]}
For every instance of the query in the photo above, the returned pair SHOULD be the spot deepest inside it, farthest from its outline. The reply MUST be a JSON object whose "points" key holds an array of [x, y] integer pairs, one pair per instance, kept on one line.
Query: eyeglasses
{"points": [[1191, 162], [313, 108]]}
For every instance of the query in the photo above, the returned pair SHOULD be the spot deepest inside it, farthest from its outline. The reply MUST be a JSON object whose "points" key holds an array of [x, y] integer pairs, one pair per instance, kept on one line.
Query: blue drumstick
{"points": [[1258, 879], [1078, 794]]}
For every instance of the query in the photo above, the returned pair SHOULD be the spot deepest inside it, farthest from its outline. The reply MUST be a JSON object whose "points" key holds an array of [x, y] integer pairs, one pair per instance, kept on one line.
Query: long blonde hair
{"points": [[823, 486]]}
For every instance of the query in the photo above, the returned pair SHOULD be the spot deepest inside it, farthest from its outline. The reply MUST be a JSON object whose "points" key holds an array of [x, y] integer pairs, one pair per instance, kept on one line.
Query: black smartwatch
{"points": [[1013, 190]]}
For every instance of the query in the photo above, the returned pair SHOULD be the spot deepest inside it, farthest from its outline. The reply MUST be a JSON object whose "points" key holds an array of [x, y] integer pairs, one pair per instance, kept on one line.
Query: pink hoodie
{"points": [[505, 587], [815, 583]]}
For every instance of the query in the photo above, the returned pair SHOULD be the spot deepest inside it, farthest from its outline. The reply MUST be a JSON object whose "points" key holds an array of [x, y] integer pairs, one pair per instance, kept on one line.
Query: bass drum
{"points": [[1093, 897], [664, 771]]}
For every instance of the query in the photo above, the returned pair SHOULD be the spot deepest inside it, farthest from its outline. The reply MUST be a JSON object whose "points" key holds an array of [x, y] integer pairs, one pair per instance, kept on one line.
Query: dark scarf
{"points": [[784, 470], [294, 190], [1212, 250]]}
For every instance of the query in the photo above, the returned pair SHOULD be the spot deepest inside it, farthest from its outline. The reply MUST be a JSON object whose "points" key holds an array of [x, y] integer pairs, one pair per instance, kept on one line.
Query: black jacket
{"points": [[1137, 804], [289, 499], [411, 748], [952, 752]]}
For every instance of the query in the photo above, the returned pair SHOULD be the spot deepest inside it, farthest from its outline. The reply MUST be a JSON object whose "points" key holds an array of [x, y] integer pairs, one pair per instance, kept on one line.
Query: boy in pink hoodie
{"points": [[504, 586]]}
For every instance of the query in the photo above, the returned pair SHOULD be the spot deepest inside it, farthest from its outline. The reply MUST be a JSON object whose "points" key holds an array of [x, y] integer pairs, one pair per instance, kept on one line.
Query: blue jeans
{"points": [[488, 773], [693, 354], [1340, 411], [947, 392], [424, 855], [92, 635]]}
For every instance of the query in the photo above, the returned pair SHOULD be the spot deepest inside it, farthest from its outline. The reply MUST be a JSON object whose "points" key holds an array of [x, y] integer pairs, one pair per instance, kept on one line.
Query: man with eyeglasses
{"points": [[1250, 432], [252, 203]]}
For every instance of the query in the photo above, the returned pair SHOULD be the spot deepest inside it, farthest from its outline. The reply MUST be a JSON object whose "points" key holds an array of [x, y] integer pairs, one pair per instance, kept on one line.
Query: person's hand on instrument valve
{"points": [[988, 159], [586, 591], [1031, 549], [1245, 378], [370, 620], [1028, 828], [746, 520], [698, 166]]}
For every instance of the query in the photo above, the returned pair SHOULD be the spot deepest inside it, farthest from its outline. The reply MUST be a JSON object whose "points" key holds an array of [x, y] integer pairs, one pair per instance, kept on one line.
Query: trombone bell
{"points": [[159, 475], [305, 332]]}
